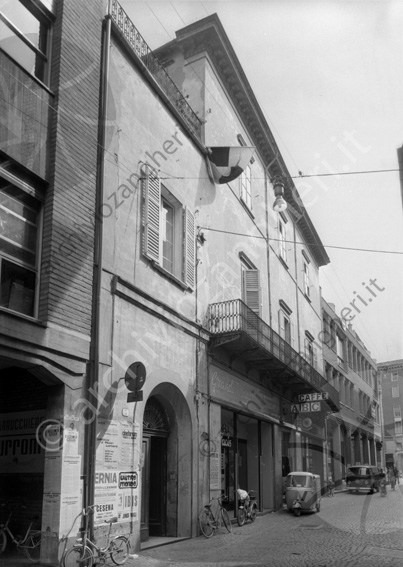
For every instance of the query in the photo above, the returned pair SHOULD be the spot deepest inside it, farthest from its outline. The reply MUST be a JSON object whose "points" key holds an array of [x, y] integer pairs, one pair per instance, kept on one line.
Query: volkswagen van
{"points": [[364, 478]]}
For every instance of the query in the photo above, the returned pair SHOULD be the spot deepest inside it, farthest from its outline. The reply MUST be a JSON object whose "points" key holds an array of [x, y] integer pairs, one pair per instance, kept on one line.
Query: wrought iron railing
{"points": [[234, 316], [154, 67]]}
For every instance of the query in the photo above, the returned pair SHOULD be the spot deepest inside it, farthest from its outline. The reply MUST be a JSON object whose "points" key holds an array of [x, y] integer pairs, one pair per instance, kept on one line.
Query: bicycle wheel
{"points": [[120, 549], [78, 556], [32, 547], [3, 542], [253, 511], [206, 523], [225, 519], [241, 516]]}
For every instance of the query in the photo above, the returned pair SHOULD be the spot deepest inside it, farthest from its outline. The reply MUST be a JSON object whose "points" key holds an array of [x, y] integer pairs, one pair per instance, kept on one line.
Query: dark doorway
{"points": [[154, 476], [158, 482]]}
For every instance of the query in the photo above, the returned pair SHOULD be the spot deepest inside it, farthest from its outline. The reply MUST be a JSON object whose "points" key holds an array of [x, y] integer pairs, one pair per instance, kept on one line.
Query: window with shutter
{"points": [[251, 289], [189, 240], [251, 296], [168, 231], [152, 214]]}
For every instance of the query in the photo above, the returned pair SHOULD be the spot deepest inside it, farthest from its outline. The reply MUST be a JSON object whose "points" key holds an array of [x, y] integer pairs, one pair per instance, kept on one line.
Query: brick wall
{"points": [[68, 233]]}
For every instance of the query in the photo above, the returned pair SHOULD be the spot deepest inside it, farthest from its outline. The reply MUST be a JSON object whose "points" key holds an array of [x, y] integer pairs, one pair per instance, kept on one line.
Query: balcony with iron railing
{"points": [[238, 329], [152, 65]]}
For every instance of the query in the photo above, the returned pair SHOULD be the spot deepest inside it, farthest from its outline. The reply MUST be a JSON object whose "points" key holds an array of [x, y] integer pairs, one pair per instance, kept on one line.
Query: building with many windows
{"points": [[354, 435], [163, 324], [391, 382]]}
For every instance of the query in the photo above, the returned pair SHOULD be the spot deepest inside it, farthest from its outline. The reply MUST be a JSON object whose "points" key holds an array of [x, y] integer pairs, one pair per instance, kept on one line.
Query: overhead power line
{"points": [[301, 243]]}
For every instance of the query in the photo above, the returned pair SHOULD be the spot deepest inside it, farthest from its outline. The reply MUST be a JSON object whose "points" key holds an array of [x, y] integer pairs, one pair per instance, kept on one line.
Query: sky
{"points": [[328, 77]]}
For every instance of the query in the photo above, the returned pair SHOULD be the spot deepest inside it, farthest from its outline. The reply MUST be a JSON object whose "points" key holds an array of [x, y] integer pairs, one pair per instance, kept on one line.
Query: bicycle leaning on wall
{"points": [[210, 522], [84, 552], [30, 543]]}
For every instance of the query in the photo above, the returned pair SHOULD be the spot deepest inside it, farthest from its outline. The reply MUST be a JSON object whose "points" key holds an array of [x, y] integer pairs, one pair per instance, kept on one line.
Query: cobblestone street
{"points": [[354, 530]]}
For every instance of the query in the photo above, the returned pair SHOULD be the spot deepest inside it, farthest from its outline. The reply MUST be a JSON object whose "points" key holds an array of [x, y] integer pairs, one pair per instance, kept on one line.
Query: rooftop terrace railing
{"points": [[154, 67]]}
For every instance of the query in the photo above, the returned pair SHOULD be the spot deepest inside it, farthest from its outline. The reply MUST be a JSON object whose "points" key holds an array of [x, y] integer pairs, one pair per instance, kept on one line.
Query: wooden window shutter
{"points": [[252, 290], [151, 214], [189, 248]]}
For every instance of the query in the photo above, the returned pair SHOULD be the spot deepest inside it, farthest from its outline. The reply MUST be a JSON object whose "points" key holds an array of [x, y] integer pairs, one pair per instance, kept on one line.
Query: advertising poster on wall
{"points": [[215, 471], [19, 448], [116, 478]]}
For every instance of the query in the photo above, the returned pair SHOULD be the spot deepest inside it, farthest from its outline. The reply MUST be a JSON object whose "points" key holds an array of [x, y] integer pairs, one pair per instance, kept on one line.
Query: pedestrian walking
{"points": [[396, 472], [392, 479]]}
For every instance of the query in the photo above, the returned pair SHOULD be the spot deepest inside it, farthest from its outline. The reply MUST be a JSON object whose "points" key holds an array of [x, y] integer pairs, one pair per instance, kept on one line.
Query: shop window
{"points": [[19, 250], [24, 35], [169, 231]]}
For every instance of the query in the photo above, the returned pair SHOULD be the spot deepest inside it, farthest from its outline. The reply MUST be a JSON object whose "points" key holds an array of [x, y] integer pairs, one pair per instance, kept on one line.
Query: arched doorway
{"points": [[168, 467], [154, 479]]}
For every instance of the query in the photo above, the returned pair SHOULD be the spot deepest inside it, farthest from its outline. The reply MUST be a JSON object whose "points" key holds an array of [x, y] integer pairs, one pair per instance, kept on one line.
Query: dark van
{"points": [[363, 478]]}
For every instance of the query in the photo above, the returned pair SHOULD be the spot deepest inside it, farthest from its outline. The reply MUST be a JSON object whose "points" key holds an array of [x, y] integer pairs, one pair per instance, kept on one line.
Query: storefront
{"points": [[244, 429]]}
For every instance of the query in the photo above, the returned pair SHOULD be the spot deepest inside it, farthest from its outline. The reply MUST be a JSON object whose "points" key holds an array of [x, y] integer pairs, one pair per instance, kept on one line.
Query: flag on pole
{"points": [[227, 163]]}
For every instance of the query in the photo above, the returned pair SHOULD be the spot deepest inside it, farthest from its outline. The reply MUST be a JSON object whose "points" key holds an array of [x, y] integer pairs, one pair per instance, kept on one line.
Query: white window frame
{"points": [[286, 327], [282, 231], [395, 377], [398, 428], [307, 286], [311, 354], [397, 413], [246, 186], [184, 239], [340, 348], [395, 391]]}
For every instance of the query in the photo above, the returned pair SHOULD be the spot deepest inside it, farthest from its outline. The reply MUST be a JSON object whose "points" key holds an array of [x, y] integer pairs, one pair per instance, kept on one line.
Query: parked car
{"points": [[363, 478]]}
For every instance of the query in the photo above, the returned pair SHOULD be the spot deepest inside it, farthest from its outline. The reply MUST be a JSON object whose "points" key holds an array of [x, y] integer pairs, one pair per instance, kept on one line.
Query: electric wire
{"points": [[302, 243]]}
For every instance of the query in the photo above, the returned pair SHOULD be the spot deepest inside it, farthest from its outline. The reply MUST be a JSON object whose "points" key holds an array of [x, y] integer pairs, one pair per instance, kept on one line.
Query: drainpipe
{"points": [[92, 379]]}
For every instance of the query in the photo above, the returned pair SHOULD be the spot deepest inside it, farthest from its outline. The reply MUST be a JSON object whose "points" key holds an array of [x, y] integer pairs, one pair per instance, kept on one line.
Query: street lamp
{"points": [[280, 204]]}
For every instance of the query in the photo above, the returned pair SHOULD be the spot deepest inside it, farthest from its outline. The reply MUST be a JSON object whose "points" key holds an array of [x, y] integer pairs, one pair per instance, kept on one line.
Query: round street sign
{"points": [[135, 376]]}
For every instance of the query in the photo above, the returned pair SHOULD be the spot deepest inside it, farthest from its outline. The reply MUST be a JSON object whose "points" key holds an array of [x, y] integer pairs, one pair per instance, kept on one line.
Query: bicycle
{"points": [[209, 522], [30, 544], [247, 507], [84, 551], [330, 488]]}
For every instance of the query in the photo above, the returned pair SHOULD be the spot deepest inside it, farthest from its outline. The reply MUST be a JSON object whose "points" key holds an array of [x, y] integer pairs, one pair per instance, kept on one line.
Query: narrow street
{"points": [[354, 530]]}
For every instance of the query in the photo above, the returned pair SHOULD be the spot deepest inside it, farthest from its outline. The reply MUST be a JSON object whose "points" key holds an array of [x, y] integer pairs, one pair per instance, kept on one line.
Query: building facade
{"points": [[354, 435], [164, 329], [391, 383]]}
